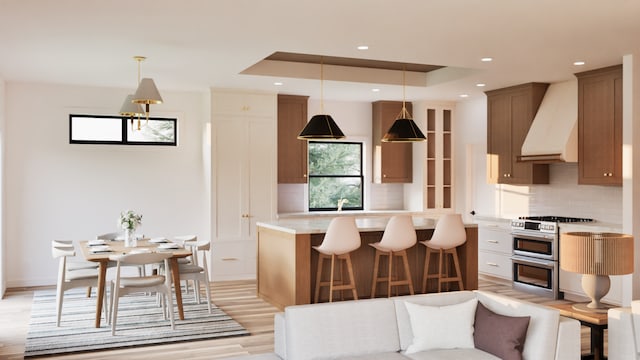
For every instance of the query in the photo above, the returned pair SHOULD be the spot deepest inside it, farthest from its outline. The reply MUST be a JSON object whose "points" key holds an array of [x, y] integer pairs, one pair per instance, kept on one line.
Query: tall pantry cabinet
{"points": [[244, 178]]}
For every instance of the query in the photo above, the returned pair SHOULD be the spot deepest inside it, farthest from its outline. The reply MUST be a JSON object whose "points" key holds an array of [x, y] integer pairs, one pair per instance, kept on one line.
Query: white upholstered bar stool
{"points": [[342, 237], [398, 236], [447, 236]]}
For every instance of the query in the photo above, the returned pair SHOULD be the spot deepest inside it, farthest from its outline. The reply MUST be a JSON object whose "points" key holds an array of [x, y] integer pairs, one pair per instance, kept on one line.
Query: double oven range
{"points": [[536, 253]]}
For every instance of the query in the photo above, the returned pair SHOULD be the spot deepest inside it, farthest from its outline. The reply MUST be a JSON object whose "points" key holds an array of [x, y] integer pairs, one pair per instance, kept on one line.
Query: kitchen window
{"points": [[118, 130], [335, 176]]}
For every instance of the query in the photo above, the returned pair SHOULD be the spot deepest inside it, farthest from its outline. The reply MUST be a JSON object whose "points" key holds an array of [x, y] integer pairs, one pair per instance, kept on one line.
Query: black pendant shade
{"points": [[321, 127], [404, 130]]}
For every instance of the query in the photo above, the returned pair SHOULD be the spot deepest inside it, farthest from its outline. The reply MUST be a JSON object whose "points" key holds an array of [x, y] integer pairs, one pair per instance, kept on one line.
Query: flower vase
{"points": [[130, 238]]}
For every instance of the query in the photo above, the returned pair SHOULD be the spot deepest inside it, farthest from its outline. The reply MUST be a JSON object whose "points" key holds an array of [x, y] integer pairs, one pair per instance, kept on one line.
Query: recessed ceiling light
{"points": [[579, 63], [486, 59], [375, 89], [277, 83], [464, 95], [363, 47], [480, 85]]}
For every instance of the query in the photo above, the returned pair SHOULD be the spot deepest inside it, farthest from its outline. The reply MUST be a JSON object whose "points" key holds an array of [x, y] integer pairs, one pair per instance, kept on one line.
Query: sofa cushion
{"points": [[439, 299], [500, 335], [452, 354], [542, 332], [341, 329], [441, 327]]}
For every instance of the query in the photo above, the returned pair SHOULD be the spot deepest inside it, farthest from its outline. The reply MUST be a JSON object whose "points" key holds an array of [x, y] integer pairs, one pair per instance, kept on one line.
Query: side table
{"points": [[597, 323]]}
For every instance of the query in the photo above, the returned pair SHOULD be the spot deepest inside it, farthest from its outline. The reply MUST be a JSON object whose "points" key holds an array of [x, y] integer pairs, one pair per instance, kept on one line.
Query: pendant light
{"points": [[129, 108], [321, 126], [147, 92], [404, 129]]}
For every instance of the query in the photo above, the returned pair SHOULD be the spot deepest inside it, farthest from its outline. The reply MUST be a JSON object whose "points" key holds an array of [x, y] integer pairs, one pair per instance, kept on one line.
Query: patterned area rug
{"points": [[140, 322]]}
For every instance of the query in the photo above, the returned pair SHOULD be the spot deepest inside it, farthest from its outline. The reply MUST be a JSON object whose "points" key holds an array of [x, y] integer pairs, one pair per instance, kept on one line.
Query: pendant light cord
{"points": [[321, 84]]}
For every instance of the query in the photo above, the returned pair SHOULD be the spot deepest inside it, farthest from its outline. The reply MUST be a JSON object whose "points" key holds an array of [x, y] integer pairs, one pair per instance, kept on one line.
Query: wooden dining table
{"points": [[117, 248]]}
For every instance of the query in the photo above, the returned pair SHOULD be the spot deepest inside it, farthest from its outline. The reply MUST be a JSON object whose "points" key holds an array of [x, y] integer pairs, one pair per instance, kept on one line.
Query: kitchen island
{"points": [[287, 263]]}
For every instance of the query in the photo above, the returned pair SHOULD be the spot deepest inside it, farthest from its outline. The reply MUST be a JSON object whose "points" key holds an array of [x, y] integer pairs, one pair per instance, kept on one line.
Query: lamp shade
{"points": [[131, 109], [147, 93], [404, 130], [321, 127], [596, 253]]}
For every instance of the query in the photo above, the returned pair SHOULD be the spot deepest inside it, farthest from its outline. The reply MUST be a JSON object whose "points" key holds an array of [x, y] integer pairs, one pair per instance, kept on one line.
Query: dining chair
{"points": [[116, 236], [197, 269], [67, 278], [125, 285]]}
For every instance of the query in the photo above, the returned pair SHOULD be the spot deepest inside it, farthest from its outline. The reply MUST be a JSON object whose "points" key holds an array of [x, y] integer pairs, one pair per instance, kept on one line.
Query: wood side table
{"points": [[597, 323]]}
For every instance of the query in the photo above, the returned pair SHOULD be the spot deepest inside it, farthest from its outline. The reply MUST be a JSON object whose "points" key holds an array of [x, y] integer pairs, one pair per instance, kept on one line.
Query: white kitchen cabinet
{"points": [[495, 250], [244, 178], [438, 167]]}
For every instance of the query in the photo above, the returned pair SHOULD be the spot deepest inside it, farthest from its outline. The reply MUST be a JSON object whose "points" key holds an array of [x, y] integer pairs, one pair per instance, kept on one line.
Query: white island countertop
{"points": [[320, 225]]}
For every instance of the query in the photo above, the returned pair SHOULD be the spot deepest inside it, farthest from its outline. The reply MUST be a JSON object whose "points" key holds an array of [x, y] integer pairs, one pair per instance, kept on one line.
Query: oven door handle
{"points": [[537, 237], [527, 260]]}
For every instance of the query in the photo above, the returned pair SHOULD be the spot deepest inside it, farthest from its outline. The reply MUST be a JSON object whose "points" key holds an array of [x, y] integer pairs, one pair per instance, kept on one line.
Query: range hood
{"points": [[553, 136]]}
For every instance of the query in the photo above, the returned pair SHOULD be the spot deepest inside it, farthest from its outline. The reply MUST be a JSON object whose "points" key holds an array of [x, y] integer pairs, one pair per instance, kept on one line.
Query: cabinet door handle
{"points": [[230, 259], [492, 264], [304, 175], [492, 241], [384, 175]]}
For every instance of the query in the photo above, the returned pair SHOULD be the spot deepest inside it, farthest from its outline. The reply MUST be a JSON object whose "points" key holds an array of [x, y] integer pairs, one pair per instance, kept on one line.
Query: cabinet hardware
{"points": [[492, 264], [492, 241], [230, 259]]}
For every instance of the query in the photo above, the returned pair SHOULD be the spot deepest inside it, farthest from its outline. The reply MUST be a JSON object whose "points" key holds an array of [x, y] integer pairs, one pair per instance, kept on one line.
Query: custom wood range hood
{"points": [[553, 135]]}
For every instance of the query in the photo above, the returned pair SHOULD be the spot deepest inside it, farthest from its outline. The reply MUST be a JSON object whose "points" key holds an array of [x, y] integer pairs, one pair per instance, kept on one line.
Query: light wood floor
{"points": [[236, 298]]}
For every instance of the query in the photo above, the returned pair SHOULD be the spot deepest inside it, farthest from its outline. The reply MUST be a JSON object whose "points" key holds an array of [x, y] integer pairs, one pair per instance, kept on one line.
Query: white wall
{"points": [[3, 282], [56, 190]]}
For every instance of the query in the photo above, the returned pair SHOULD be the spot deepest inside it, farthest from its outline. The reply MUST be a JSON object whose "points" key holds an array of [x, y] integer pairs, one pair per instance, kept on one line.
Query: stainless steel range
{"points": [[535, 253]]}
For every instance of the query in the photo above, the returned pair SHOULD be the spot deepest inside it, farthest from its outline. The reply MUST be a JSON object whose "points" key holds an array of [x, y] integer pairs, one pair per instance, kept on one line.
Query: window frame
{"points": [[123, 131], [361, 177]]}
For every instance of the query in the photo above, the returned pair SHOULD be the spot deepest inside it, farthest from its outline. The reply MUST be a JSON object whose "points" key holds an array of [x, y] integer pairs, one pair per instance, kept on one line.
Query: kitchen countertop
{"points": [[365, 224]]}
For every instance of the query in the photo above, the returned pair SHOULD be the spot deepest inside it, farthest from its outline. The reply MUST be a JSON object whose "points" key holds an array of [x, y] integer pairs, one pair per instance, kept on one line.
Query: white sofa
{"points": [[624, 332], [384, 329]]}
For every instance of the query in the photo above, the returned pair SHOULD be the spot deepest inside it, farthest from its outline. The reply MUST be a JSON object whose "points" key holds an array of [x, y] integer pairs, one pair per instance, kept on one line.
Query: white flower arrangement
{"points": [[129, 220]]}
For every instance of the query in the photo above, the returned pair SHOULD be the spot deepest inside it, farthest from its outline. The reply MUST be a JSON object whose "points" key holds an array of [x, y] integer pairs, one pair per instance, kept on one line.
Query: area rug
{"points": [[140, 322]]}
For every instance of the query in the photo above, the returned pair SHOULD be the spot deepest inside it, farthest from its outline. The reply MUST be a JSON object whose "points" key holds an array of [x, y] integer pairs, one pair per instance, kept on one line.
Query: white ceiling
{"points": [[198, 44]]}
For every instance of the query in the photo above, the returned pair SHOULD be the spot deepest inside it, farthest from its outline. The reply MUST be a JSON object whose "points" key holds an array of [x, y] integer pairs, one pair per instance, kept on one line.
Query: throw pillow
{"points": [[500, 335], [441, 327]]}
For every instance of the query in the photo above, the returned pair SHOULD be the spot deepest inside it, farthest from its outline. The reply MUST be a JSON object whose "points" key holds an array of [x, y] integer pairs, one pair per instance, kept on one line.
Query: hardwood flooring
{"points": [[236, 298]]}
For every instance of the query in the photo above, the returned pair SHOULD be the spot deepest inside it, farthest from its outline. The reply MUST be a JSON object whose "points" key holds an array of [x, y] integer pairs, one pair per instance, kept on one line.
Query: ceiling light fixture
{"points": [[486, 59], [147, 92], [464, 95], [321, 126], [129, 108], [363, 47], [579, 63], [404, 129], [480, 85]]}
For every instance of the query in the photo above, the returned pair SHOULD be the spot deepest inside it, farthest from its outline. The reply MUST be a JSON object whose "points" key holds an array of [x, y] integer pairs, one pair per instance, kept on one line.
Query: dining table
{"points": [[100, 252]]}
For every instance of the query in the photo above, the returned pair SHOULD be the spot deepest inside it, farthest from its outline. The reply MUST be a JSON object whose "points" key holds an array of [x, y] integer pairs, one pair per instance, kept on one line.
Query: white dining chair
{"points": [[125, 285], [70, 279], [197, 270]]}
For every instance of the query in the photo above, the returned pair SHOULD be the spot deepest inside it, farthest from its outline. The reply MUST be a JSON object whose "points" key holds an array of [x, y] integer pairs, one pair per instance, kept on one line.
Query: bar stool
{"points": [[398, 236], [448, 234], [342, 237]]}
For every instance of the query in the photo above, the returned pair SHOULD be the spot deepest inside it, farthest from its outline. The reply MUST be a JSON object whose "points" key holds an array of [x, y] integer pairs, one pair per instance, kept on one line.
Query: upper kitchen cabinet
{"points": [[600, 126], [510, 112], [292, 152], [438, 172], [392, 162]]}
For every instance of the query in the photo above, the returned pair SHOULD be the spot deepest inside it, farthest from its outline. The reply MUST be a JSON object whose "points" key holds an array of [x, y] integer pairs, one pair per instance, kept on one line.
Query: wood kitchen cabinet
{"points": [[600, 126], [292, 152], [510, 112], [392, 162]]}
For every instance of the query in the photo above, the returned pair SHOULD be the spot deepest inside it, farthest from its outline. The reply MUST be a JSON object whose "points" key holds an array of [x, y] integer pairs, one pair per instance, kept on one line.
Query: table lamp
{"points": [[596, 256]]}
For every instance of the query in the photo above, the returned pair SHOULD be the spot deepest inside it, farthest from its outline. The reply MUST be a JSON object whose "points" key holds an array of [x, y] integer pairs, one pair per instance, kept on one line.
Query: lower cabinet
{"points": [[494, 250]]}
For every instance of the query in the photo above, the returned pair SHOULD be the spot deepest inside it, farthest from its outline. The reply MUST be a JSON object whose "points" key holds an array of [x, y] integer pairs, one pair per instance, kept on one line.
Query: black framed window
{"points": [[118, 130], [335, 175]]}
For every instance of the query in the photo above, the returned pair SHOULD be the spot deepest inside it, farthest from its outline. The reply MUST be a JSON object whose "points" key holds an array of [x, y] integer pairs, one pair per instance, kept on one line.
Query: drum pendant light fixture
{"points": [[404, 129], [321, 126], [147, 92]]}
